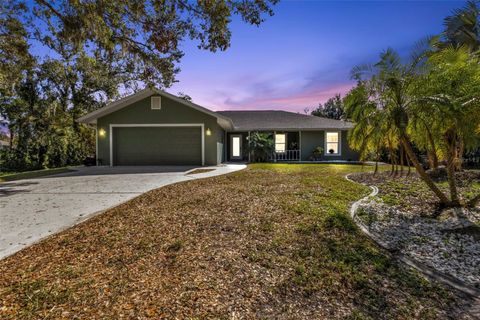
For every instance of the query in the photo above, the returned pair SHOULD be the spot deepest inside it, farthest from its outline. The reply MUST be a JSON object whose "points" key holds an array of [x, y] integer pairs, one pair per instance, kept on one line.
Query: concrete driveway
{"points": [[35, 208]]}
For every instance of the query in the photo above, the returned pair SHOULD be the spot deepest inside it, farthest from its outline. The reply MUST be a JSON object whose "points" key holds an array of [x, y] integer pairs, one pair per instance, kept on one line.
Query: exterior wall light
{"points": [[102, 132], [208, 132]]}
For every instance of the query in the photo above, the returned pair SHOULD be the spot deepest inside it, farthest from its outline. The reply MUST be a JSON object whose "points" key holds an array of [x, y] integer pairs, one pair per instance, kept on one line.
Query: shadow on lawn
{"points": [[343, 260]]}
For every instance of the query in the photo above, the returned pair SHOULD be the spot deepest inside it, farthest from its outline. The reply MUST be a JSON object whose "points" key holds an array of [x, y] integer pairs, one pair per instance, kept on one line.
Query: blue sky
{"points": [[304, 53]]}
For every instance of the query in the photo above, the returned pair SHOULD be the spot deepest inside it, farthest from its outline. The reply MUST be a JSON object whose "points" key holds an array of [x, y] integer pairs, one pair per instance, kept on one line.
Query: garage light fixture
{"points": [[102, 132], [208, 132]]}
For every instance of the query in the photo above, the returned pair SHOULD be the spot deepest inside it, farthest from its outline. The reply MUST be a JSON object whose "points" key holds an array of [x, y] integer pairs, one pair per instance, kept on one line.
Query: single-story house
{"points": [[153, 127]]}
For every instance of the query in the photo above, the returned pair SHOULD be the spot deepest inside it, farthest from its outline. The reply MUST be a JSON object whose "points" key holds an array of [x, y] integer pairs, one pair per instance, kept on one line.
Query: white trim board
{"points": [[153, 125]]}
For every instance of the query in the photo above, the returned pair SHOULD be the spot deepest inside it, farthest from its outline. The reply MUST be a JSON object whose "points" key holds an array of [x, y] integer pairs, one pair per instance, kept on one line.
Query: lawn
{"points": [[271, 241], [10, 176]]}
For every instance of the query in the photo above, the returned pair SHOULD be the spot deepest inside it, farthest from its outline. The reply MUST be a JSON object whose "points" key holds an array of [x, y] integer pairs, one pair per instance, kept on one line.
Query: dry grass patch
{"points": [[271, 241]]}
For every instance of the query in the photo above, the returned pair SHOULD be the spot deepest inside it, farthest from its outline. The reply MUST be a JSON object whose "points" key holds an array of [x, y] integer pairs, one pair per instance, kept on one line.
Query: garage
{"points": [[156, 145]]}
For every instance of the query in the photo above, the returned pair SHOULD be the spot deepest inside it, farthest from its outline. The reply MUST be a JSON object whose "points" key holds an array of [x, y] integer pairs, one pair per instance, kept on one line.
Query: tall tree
{"points": [[145, 34], [462, 28], [332, 109], [400, 100], [96, 47], [391, 84], [368, 134], [449, 94]]}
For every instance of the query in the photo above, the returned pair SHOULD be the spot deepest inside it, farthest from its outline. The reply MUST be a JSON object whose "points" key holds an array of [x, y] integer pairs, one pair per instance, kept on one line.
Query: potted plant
{"points": [[317, 153]]}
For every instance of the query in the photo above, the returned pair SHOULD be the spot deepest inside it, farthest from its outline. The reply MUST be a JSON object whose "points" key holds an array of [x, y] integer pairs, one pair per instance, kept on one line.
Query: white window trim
{"points": [[156, 125], [275, 142], [339, 144]]}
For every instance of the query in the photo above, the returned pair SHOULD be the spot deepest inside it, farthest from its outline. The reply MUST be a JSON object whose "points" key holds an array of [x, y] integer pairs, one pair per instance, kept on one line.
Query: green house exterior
{"points": [[153, 127]]}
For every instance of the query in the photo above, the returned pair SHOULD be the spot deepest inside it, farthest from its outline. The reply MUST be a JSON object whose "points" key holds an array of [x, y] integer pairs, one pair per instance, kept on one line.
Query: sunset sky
{"points": [[304, 53]]}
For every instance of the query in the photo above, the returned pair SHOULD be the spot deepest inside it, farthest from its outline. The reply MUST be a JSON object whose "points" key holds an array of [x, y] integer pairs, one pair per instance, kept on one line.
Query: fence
{"points": [[287, 155]]}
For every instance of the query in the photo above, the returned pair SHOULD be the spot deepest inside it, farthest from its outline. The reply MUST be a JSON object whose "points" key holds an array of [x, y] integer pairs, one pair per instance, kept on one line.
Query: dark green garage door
{"points": [[143, 146]]}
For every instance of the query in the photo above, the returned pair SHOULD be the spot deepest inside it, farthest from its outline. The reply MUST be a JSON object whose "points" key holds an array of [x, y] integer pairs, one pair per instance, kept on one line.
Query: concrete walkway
{"points": [[35, 208]]}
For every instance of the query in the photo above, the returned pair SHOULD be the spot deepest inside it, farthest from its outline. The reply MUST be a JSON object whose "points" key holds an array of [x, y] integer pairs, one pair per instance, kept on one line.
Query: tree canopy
{"points": [[94, 49], [431, 102], [332, 108]]}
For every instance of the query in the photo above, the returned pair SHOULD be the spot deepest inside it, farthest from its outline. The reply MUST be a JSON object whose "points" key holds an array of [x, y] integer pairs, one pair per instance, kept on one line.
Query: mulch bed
{"points": [[409, 192]]}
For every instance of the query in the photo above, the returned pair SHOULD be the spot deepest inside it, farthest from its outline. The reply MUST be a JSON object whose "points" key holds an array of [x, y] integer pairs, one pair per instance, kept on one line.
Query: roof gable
{"points": [[92, 117]]}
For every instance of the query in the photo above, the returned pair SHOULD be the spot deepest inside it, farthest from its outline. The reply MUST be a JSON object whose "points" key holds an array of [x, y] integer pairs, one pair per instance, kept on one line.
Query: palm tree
{"points": [[451, 96], [369, 135], [390, 85], [462, 28]]}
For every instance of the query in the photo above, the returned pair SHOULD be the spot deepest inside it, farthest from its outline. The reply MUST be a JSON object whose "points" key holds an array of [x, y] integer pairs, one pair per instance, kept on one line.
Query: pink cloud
{"points": [[310, 97]]}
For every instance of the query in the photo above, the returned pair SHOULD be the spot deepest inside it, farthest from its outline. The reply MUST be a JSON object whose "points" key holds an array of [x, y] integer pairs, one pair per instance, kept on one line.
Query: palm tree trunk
{"points": [[392, 157], [432, 153], [401, 160], [423, 175], [451, 143], [459, 156], [455, 201], [409, 166]]}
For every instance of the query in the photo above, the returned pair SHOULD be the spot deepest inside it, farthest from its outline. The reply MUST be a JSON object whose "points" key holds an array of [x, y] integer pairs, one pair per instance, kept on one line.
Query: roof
{"points": [[281, 120], [231, 120], [92, 117]]}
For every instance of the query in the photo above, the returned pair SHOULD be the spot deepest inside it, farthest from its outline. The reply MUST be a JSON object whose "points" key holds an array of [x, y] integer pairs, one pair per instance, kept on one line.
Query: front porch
{"points": [[264, 146], [296, 146]]}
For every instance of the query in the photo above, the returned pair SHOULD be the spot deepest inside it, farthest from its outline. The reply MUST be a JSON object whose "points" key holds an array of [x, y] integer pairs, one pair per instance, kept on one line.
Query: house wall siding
{"points": [[171, 112], [312, 139]]}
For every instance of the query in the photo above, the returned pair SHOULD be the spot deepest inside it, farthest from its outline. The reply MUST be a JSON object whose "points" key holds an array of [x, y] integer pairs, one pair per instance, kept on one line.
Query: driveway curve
{"points": [[36, 208]]}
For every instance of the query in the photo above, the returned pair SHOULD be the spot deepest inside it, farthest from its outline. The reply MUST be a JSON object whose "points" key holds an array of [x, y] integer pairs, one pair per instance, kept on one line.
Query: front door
{"points": [[236, 147]]}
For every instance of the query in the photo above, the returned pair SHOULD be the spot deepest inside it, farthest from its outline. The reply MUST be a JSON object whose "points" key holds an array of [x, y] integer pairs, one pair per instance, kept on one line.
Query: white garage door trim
{"points": [[173, 125]]}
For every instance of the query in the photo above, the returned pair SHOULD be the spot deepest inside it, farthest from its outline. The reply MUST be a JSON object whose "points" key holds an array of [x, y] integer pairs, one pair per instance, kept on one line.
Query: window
{"points": [[156, 103], [280, 142], [332, 143]]}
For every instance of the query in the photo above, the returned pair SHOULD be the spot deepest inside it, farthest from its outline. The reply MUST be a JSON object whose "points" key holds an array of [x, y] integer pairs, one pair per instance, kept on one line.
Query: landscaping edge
{"points": [[425, 270]]}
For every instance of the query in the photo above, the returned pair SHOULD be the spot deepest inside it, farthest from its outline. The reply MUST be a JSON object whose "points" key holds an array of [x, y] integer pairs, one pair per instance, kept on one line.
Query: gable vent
{"points": [[156, 103]]}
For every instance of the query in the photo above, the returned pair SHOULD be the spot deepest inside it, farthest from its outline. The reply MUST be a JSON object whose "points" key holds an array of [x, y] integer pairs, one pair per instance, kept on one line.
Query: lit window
{"points": [[332, 140], [236, 146], [280, 142]]}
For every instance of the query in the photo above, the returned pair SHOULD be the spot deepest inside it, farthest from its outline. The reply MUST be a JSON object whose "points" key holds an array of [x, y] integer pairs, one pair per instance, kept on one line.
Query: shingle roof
{"points": [[281, 120]]}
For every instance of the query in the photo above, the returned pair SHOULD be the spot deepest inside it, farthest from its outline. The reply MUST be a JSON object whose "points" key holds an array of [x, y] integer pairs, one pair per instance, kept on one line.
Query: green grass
{"points": [[272, 241], [410, 192], [10, 176]]}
